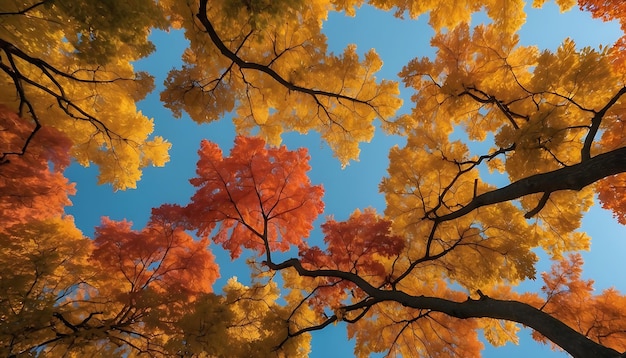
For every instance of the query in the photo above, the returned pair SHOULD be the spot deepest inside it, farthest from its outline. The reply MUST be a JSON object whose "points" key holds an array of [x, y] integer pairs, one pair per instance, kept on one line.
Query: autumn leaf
{"points": [[257, 198], [355, 244], [67, 70], [162, 257], [609, 10], [571, 299], [275, 74], [31, 189], [423, 279]]}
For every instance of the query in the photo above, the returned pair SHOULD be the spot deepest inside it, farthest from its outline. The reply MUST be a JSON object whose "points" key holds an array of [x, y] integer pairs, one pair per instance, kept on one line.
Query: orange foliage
{"points": [[257, 195], [400, 280], [570, 299], [613, 197], [29, 187], [610, 10], [356, 245], [162, 257], [611, 191]]}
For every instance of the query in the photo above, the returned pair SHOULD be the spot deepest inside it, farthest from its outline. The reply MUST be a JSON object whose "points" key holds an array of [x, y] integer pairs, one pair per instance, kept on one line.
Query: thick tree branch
{"points": [[595, 124], [574, 177], [575, 343], [542, 202], [556, 331]]}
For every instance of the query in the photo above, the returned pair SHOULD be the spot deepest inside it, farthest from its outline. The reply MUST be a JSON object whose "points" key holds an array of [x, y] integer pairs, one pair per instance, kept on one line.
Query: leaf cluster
{"points": [[505, 148]]}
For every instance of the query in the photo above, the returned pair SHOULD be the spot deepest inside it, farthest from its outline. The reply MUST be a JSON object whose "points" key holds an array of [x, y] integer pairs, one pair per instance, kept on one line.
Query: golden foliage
{"points": [[279, 76], [68, 70], [68, 90]]}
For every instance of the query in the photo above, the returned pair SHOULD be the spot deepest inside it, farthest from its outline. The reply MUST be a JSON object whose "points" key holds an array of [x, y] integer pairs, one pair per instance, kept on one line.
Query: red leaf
{"points": [[255, 196]]}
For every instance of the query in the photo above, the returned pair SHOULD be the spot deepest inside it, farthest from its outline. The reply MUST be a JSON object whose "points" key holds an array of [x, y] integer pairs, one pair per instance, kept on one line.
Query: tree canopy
{"points": [[434, 274]]}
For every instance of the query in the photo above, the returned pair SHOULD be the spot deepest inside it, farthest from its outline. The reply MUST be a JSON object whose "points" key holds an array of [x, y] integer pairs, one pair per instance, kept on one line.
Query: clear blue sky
{"points": [[356, 186]]}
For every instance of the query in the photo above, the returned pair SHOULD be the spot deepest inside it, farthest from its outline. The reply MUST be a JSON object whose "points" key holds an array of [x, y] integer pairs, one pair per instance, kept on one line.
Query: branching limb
{"points": [[13, 67], [574, 177], [575, 343], [217, 41], [486, 98], [542, 202], [465, 167], [585, 153]]}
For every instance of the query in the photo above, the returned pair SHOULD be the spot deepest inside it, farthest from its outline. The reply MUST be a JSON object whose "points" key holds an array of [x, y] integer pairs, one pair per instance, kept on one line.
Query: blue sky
{"points": [[356, 186]]}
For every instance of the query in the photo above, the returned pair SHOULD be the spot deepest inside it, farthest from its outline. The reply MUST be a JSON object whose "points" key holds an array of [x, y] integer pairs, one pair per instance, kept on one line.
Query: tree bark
{"points": [[573, 342], [574, 177]]}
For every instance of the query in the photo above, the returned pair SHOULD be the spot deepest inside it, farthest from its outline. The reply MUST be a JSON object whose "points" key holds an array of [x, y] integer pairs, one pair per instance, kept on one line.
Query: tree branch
{"points": [[556, 331], [542, 202], [595, 124], [574, 177], [21, 79], [575, 343], [25, 10], [217, 41]]}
